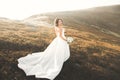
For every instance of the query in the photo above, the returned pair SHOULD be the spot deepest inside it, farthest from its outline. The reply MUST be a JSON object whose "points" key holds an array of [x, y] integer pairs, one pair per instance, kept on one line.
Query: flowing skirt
{"points": [[46, 64]]}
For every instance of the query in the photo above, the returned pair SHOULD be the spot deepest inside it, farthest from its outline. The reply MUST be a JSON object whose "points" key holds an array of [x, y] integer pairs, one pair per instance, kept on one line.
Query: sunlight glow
{"points": [[20, 9]]}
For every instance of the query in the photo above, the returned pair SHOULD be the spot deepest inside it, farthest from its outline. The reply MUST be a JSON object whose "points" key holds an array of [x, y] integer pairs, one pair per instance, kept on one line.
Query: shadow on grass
{"points": [[82, 65]]}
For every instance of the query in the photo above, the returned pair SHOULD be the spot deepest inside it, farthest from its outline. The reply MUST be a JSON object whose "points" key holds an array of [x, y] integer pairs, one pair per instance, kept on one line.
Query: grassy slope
{"points": [[94, 55], [103, 17]]}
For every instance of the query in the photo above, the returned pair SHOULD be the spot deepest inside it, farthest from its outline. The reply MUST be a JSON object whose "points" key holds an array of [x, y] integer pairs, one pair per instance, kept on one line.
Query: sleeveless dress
{"points": [[46, 64]]}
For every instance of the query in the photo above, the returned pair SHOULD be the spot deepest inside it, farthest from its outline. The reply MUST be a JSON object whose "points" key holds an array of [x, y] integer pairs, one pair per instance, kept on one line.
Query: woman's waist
{"points": [[58, 37], [62, 36]]}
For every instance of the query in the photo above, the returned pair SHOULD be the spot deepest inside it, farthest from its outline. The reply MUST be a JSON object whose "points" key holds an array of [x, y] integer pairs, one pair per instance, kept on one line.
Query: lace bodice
{"points": [[58, 33]]}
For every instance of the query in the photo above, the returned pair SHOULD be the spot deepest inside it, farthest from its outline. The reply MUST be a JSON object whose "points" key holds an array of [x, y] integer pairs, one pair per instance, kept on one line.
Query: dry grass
{"points": [[94, 55]]}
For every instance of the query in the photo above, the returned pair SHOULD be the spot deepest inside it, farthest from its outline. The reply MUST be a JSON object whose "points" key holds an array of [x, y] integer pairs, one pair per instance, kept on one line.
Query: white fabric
{"points": [[46, 64]]}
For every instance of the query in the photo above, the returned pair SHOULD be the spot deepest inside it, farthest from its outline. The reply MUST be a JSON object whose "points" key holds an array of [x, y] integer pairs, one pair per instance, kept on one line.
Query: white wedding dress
{"points": [[46, 64]]}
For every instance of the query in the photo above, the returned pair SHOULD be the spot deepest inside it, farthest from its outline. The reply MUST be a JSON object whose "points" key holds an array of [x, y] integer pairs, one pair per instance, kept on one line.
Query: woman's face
{"points": [[60, 23]]}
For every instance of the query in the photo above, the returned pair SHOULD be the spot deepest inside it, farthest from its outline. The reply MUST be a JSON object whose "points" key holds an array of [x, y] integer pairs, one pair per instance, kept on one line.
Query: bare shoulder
{"points": [[55, 28], [64, 29]]}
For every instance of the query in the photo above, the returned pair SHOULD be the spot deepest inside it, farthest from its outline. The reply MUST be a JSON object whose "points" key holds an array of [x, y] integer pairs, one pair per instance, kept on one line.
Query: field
{"points": [[95, 51]]}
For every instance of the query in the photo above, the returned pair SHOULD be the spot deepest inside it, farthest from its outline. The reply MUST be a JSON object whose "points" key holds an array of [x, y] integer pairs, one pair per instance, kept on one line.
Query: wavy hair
{"points": [[56, 21]]}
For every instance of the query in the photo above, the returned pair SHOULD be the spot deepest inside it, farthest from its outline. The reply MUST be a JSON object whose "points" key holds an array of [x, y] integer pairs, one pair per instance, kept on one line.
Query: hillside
{"points": [[95, 51], [105, 19]]}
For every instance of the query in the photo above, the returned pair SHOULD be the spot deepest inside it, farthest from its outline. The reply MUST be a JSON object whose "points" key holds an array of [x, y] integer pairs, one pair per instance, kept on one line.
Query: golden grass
{"points": [[88, 48]]}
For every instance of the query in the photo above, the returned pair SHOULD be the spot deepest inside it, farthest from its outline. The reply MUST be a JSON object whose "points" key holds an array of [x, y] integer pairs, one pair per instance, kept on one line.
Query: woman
{"points": [[48, 64]]}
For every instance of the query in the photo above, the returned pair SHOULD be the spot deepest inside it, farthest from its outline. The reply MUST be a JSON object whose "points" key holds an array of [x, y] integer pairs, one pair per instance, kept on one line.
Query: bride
{"points": [[48, 64]]}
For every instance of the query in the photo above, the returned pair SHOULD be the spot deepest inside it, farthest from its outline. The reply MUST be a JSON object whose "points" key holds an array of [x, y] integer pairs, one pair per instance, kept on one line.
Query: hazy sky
{"points": [[20, 9]]}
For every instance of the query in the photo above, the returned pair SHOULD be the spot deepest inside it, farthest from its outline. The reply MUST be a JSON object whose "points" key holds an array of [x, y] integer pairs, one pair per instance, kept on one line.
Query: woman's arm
{"points": [[55, 30]]}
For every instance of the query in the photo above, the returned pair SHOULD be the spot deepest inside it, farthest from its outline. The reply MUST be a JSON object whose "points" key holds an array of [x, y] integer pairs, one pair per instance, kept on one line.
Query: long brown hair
{"points": [[56, 21]]}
